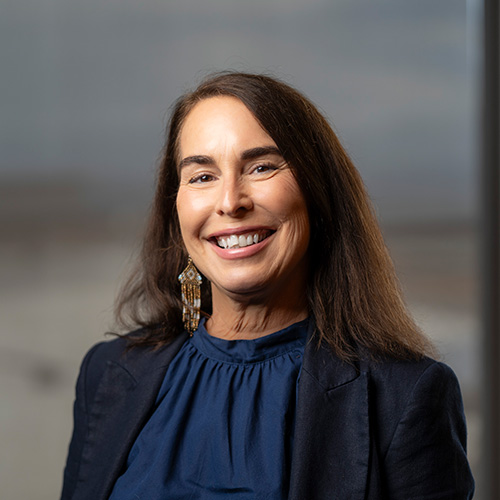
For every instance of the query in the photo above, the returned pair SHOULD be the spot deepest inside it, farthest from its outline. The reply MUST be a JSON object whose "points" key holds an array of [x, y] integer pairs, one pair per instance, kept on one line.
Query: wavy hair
{"points": [[353, 293]]}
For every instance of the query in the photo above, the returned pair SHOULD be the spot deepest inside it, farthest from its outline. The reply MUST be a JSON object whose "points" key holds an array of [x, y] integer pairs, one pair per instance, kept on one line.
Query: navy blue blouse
{"points": [[223, 421]]}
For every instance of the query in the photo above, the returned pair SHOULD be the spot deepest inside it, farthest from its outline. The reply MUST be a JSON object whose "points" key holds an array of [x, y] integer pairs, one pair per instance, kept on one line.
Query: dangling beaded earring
{"points": [[190, 281]]}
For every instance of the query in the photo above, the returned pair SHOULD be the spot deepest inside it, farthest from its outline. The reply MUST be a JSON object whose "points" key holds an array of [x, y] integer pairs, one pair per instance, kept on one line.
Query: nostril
{"points": [[234, 198], [234, 210]]}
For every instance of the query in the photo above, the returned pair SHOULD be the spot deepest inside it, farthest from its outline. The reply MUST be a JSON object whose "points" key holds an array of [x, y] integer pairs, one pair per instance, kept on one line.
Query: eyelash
{"points": [[198, 178], [208, 177], [269, 166]]}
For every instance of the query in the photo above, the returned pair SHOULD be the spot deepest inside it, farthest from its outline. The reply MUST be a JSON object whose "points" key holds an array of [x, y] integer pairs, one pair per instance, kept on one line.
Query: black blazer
{"points": [[391, 430]]}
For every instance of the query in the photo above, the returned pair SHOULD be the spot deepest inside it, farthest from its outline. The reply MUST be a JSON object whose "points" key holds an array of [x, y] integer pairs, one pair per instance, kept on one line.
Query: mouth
{"points": [[241, 240]]}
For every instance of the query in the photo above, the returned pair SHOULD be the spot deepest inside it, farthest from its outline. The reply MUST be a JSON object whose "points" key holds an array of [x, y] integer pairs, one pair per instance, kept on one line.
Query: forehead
{"points": [[216, 105], [221, 118]]}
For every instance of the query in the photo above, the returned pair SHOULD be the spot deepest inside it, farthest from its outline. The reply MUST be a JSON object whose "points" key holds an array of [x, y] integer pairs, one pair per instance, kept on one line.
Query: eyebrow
{"points": [[199, 159], [248, 154]]}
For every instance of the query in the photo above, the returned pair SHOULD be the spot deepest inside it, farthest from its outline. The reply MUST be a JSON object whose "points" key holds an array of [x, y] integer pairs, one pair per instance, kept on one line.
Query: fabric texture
{"points": [[223, 421], [373, 431]]}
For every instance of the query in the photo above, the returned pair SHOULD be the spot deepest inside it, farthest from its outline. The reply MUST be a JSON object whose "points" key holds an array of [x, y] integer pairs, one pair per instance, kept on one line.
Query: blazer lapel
{"points": [[331, 448], [123, 403]]}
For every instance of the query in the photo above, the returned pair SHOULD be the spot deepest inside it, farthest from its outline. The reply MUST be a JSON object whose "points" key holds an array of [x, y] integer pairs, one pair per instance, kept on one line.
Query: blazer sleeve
{"points": [[85, 386], [426, 458]]}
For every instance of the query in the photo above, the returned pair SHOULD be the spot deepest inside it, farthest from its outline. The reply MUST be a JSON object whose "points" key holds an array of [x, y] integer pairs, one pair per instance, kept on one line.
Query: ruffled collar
{"points": [[251, 351]]}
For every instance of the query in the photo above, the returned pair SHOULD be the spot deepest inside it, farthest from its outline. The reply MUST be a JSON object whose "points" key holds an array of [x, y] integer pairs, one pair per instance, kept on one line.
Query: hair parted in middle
{"points": [[353, 293]]}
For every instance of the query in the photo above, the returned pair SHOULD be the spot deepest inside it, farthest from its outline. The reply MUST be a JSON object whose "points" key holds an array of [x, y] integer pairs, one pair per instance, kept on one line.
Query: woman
{"points": [[306, 378]]}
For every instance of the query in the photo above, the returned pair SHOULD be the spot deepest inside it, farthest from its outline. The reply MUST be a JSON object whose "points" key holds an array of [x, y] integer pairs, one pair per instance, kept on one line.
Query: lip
{"points": [[240, 253], [238, 231]]}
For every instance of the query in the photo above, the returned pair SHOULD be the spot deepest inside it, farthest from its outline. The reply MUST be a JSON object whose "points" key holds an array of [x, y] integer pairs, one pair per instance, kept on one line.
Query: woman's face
{"points": [[243, 217]]}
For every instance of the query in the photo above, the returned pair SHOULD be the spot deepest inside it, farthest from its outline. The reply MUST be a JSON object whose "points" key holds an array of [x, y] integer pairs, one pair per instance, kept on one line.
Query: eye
{"points": [[201, 178], [263, 168]]}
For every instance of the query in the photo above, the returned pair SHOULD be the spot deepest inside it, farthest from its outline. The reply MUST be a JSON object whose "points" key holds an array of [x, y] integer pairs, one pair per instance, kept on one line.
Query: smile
{"points": [[242, 240]]}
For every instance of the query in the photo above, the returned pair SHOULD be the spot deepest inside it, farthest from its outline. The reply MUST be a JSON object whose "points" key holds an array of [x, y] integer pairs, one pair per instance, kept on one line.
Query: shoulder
{"points": [[424, 392], [420, 429], [136, 361], [387, 377], [396, 390], [402, 376], [395, 383], [95, 363]]}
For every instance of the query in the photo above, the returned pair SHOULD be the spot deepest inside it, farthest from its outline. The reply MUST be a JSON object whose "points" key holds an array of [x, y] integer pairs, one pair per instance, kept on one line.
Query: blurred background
{"points": [[85, 93]]}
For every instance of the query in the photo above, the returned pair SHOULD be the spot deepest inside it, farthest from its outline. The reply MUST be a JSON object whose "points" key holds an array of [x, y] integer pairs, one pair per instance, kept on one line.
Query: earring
{"points": [[190, 281]]}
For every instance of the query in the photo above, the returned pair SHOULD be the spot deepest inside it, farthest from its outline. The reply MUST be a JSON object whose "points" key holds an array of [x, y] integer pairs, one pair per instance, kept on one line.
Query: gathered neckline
{"points": [[250, 351]]}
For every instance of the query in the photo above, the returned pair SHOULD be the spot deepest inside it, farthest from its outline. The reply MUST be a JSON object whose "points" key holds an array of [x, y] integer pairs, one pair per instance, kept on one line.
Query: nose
{"points": [[234, 199]]}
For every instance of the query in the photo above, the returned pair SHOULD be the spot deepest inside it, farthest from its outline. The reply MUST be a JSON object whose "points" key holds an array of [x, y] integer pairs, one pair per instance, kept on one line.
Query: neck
{"points": [[246, 319]]}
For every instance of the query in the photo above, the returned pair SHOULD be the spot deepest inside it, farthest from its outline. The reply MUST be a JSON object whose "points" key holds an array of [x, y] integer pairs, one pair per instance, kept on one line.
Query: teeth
{"points": [[242, 240]]}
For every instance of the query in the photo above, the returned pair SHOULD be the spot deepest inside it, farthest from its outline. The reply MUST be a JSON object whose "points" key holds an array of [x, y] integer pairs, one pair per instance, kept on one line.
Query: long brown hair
{"points": [[353, 293]]}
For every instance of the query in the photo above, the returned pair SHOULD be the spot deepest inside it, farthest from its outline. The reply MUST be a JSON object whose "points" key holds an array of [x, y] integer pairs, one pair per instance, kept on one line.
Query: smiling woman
{"points": [[243, 219], [306, 378]]}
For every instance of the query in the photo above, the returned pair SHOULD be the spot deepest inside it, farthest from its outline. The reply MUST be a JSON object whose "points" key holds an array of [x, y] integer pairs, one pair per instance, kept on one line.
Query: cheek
{"points": [[184, 210], [288, 204], [296, 215], [192, 210], [300, 228]]}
